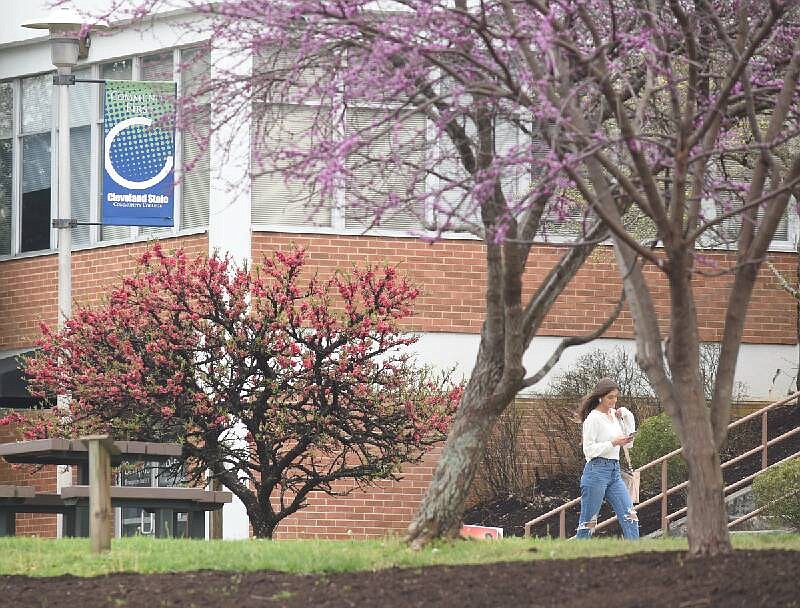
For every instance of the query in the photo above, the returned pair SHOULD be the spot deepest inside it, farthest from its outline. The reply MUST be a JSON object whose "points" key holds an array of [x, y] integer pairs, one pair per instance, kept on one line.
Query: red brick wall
{"points": [[376, 512], [43, 479], [450, 275], [29, 286]]}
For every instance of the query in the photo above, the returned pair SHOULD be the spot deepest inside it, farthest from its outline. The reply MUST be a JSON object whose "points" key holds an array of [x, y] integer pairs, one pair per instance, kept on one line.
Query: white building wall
{"points": [[229, 226], [767, 370]]}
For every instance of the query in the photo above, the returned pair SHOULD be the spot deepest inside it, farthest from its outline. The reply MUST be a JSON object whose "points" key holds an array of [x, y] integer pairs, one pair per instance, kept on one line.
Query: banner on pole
{"points": [[138, 153]]}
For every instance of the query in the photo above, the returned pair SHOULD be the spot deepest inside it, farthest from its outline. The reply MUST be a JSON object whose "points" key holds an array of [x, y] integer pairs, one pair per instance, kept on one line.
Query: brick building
{"points": [[252, 220]]}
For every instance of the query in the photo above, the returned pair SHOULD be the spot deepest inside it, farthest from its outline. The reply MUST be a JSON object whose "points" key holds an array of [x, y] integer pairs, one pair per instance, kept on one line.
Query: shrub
{"points": [[778, 490], [508, 461], [654, 439]]}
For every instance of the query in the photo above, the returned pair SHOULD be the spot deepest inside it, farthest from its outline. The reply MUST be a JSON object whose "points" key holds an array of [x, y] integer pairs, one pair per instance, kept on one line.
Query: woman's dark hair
{"points": [[590, 401]]}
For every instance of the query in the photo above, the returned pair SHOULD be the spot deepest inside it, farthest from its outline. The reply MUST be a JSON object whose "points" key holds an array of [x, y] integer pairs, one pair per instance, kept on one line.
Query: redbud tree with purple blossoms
{"points": [[316, 371], [659, 128]]}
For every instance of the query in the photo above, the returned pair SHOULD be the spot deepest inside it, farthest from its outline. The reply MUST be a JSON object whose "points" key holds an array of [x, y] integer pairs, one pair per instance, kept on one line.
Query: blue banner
{"points": [[139, 153]]}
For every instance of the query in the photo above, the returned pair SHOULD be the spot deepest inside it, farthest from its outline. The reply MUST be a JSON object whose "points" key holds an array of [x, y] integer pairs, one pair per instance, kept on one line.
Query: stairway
{"points": [[741, 504]]}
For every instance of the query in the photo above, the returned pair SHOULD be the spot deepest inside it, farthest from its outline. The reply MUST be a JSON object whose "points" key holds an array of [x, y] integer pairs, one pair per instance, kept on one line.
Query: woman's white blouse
{"points": [[599, 430]]}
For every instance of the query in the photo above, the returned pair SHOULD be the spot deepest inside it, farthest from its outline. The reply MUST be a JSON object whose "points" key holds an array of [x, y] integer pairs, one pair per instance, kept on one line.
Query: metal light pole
{"points": [[64, 27], [65, 47]]}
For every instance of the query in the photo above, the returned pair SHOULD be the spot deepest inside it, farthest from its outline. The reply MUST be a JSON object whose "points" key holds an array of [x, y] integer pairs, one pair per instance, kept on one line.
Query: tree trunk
{"points": [[706, 528], [442, 508], [262, 527]]}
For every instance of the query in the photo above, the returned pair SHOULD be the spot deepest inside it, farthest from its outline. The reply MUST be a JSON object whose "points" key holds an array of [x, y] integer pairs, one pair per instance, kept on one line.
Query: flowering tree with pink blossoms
{"points": [[316, 371], [666, 127]]}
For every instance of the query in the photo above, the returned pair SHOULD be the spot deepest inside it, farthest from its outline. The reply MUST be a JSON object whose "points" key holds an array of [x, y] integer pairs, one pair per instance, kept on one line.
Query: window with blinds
{"points": [[6, 165], [36, 179], [515, 144], [730, 182], [456, 209], [276, 198], [389, 165], [80, 147], [196, 169]]}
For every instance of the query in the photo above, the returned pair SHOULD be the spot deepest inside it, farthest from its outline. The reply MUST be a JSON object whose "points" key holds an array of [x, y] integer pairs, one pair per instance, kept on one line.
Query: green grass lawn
{"points": [[46, 557]]}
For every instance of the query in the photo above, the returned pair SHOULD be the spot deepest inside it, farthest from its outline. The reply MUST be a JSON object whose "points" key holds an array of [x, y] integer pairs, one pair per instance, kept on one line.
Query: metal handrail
{"points": [[736, 485], [663, 461], [744, 518]]}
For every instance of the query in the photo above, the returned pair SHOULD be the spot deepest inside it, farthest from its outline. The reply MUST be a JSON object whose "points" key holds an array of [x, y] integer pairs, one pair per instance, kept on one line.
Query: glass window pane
{"points": [[196, 155], [276, 200], [6, 110], [37, 98], [196, 179], [80, 142], [194, 72], [35, 230], [6, 163], [157, 67], [117, 70], [390, 164], [80, 100], [169, 475]]}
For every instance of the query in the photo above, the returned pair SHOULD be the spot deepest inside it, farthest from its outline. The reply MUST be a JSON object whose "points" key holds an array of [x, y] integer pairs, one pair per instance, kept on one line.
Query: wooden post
{"points": [[664, 498], [215, 516], [100, 515]]}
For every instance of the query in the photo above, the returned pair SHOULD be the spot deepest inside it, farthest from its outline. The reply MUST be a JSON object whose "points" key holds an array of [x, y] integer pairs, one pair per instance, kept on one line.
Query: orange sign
{"points": [[483, 532]]}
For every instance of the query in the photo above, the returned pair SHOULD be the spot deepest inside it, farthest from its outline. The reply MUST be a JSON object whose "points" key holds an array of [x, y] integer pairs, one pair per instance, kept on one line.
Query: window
{"points": [[196, 166], [80, 148], [159, 523], [28, 144], [275, 199], [729, 183], [389, 164], [6, 164], [36, 133]]}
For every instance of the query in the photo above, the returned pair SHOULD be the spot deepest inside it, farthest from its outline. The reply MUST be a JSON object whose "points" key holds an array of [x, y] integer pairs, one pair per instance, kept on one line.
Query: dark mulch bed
{"points": [[512, 512], [741, 579]]}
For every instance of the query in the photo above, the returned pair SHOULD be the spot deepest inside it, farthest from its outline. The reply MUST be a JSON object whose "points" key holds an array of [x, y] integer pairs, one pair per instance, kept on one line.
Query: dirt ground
{"points": [[743, 579]]}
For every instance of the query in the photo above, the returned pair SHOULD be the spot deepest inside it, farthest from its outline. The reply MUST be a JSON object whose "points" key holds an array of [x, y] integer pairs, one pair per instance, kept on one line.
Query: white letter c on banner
{"points": [[112, 134]]}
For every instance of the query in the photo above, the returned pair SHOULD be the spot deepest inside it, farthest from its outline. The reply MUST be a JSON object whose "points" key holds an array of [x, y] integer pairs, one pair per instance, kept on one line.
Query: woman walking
{"points": [[602, 437]]}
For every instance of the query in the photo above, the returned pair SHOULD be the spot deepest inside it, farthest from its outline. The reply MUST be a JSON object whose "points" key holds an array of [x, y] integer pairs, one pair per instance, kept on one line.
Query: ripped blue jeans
{"points": [[601, 480]]}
